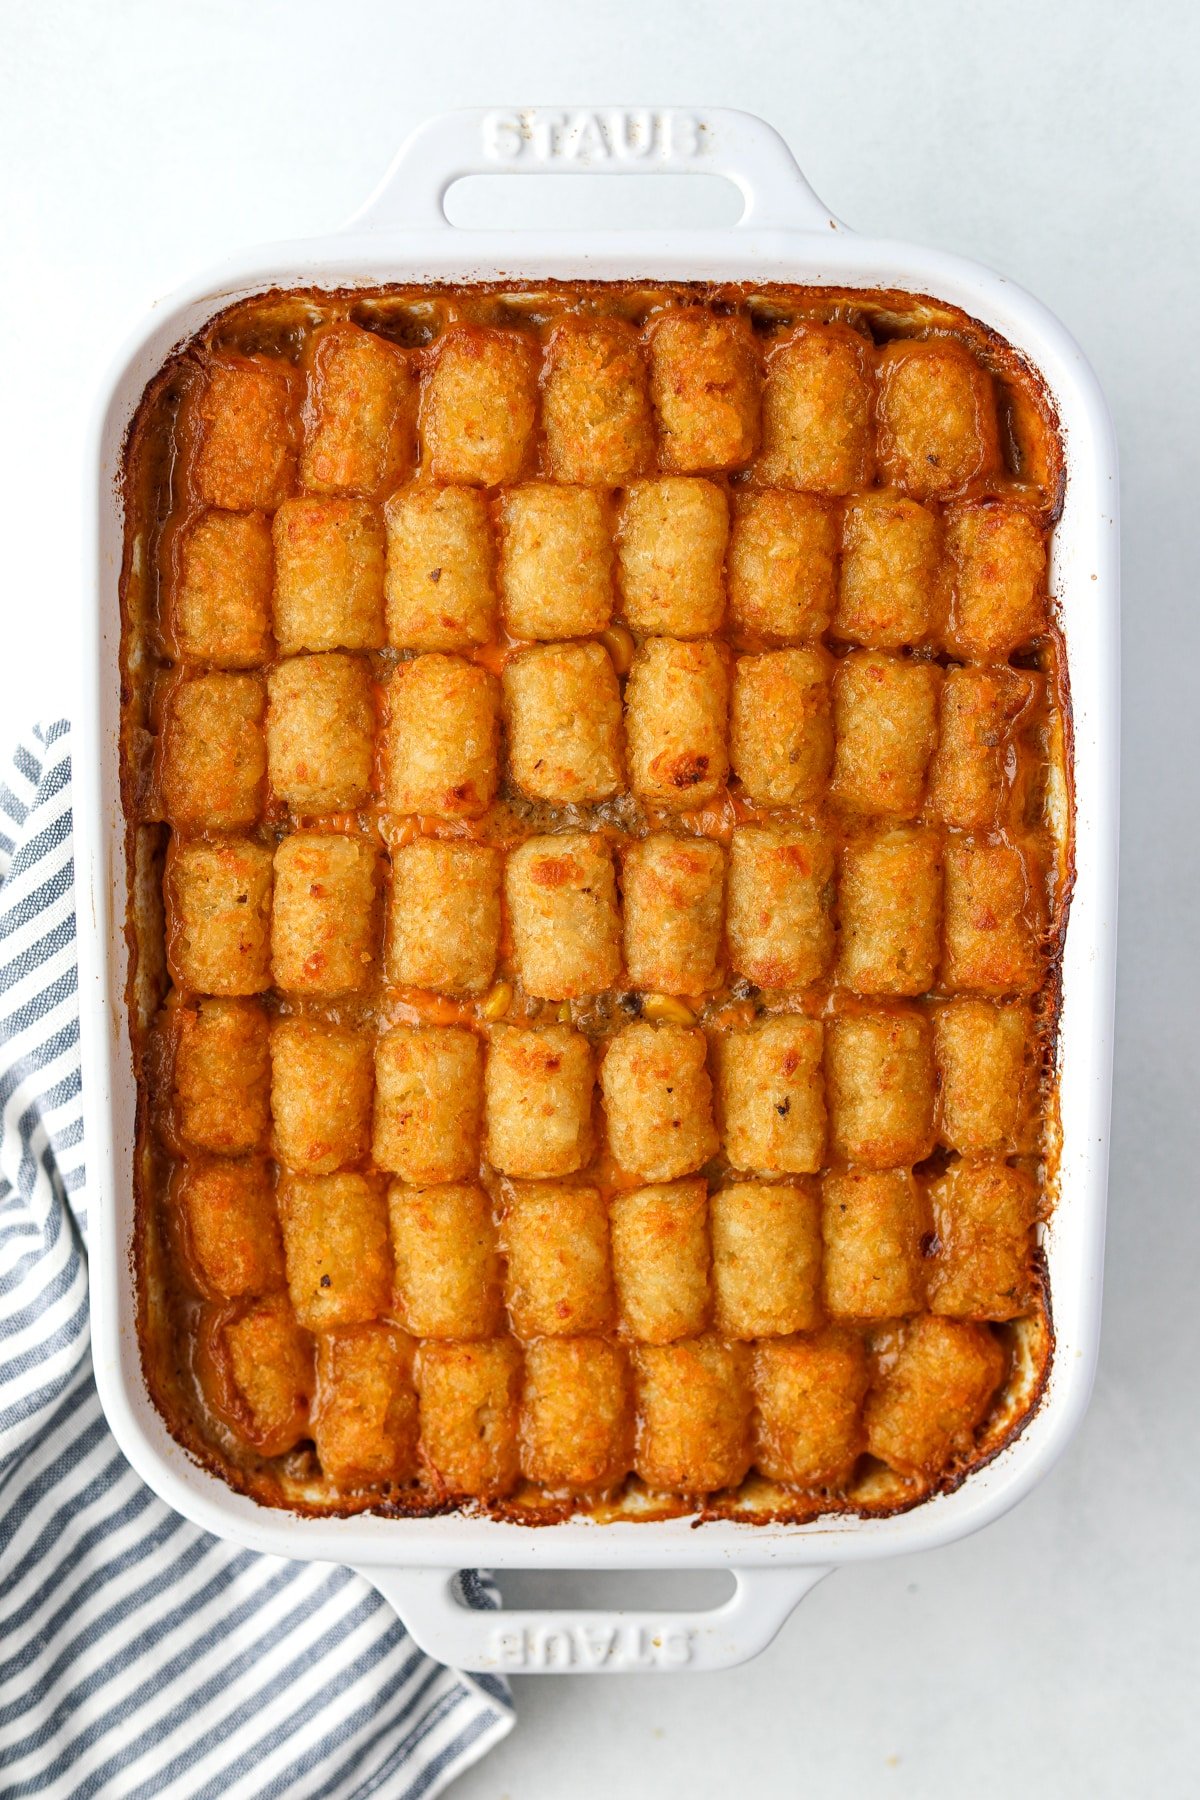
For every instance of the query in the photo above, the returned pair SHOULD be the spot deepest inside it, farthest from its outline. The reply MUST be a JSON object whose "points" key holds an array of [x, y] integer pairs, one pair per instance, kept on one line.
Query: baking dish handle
{"points": [[601, 140], [576, 1642]]}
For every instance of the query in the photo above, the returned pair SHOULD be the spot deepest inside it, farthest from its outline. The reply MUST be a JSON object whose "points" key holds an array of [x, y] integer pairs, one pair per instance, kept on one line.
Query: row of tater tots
{"points": [[785, 1095], [443, 568], [821, 411], [872, 733], [753, 1260], [913, 911], [578, 1413]]}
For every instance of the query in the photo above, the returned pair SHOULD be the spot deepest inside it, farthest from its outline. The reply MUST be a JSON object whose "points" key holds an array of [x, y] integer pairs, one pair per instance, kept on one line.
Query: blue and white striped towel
{"points": [[139, 1656]]}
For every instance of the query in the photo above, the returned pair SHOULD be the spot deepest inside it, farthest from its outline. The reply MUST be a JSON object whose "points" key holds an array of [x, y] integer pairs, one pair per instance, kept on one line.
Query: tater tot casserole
{"points": [[597, 770]]}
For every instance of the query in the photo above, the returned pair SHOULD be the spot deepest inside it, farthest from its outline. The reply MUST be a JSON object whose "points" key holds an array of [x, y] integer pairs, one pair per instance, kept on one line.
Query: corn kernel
{"points": [[495, 1004], [619, 644], [564, 1013], [665, 1009]]}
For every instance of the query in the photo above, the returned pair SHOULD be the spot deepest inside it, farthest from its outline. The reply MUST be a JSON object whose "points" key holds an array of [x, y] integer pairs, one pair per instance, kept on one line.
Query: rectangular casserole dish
{"points": [[784, 235]]}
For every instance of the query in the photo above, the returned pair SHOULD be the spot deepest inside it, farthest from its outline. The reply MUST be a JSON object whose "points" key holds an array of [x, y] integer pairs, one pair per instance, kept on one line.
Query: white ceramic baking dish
{"points": [[786, 234]]}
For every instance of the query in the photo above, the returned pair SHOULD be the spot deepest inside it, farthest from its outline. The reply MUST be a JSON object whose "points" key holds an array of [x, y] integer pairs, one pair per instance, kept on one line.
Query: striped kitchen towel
{"points": [[138, 1655]]}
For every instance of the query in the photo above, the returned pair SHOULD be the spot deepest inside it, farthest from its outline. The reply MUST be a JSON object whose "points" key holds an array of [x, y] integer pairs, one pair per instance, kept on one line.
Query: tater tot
{"points": [[559, 1280], [470, 1418], [214, 760], [781, 726], [223, 1212], [562, 705], [885, 719], [780, 905], [704, 378], [246, 415], [673, 889], [889, 910], [218, 901], [766, 1251], [441, 738], [671, 556], [439, 587], [222, 1075], [480, 404], [658, 1100], [967, 780], [255, 1369], [694, 1406], [219, 591], [562, 902], [428, 1102], [575, 1414], [676, 705], [997, 558], [360, 413], [880, 1087], [873, 1224], [364, 1420], [809, 1394], [335, 1242], [986, 1073], [321, 1080], [816, 421], [329, 557], [891, 591], [325, 917], [444, 916], [595, 403], [926, 1408], [321, 732], [660, 1256], [992, 921], [538, 1100], [556, 565], [935, 417], [447, 1266], [783, 550], [771, 1096], [983, 1214]]}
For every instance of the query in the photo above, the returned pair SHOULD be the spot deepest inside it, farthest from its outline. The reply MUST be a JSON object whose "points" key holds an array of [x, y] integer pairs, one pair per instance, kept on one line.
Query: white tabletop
{"points": [[1053, 1655]]}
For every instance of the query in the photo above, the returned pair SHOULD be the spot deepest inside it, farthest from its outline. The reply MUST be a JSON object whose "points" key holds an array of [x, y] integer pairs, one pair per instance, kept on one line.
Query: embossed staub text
{"points": [[595, 1646], [605, 135]]}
